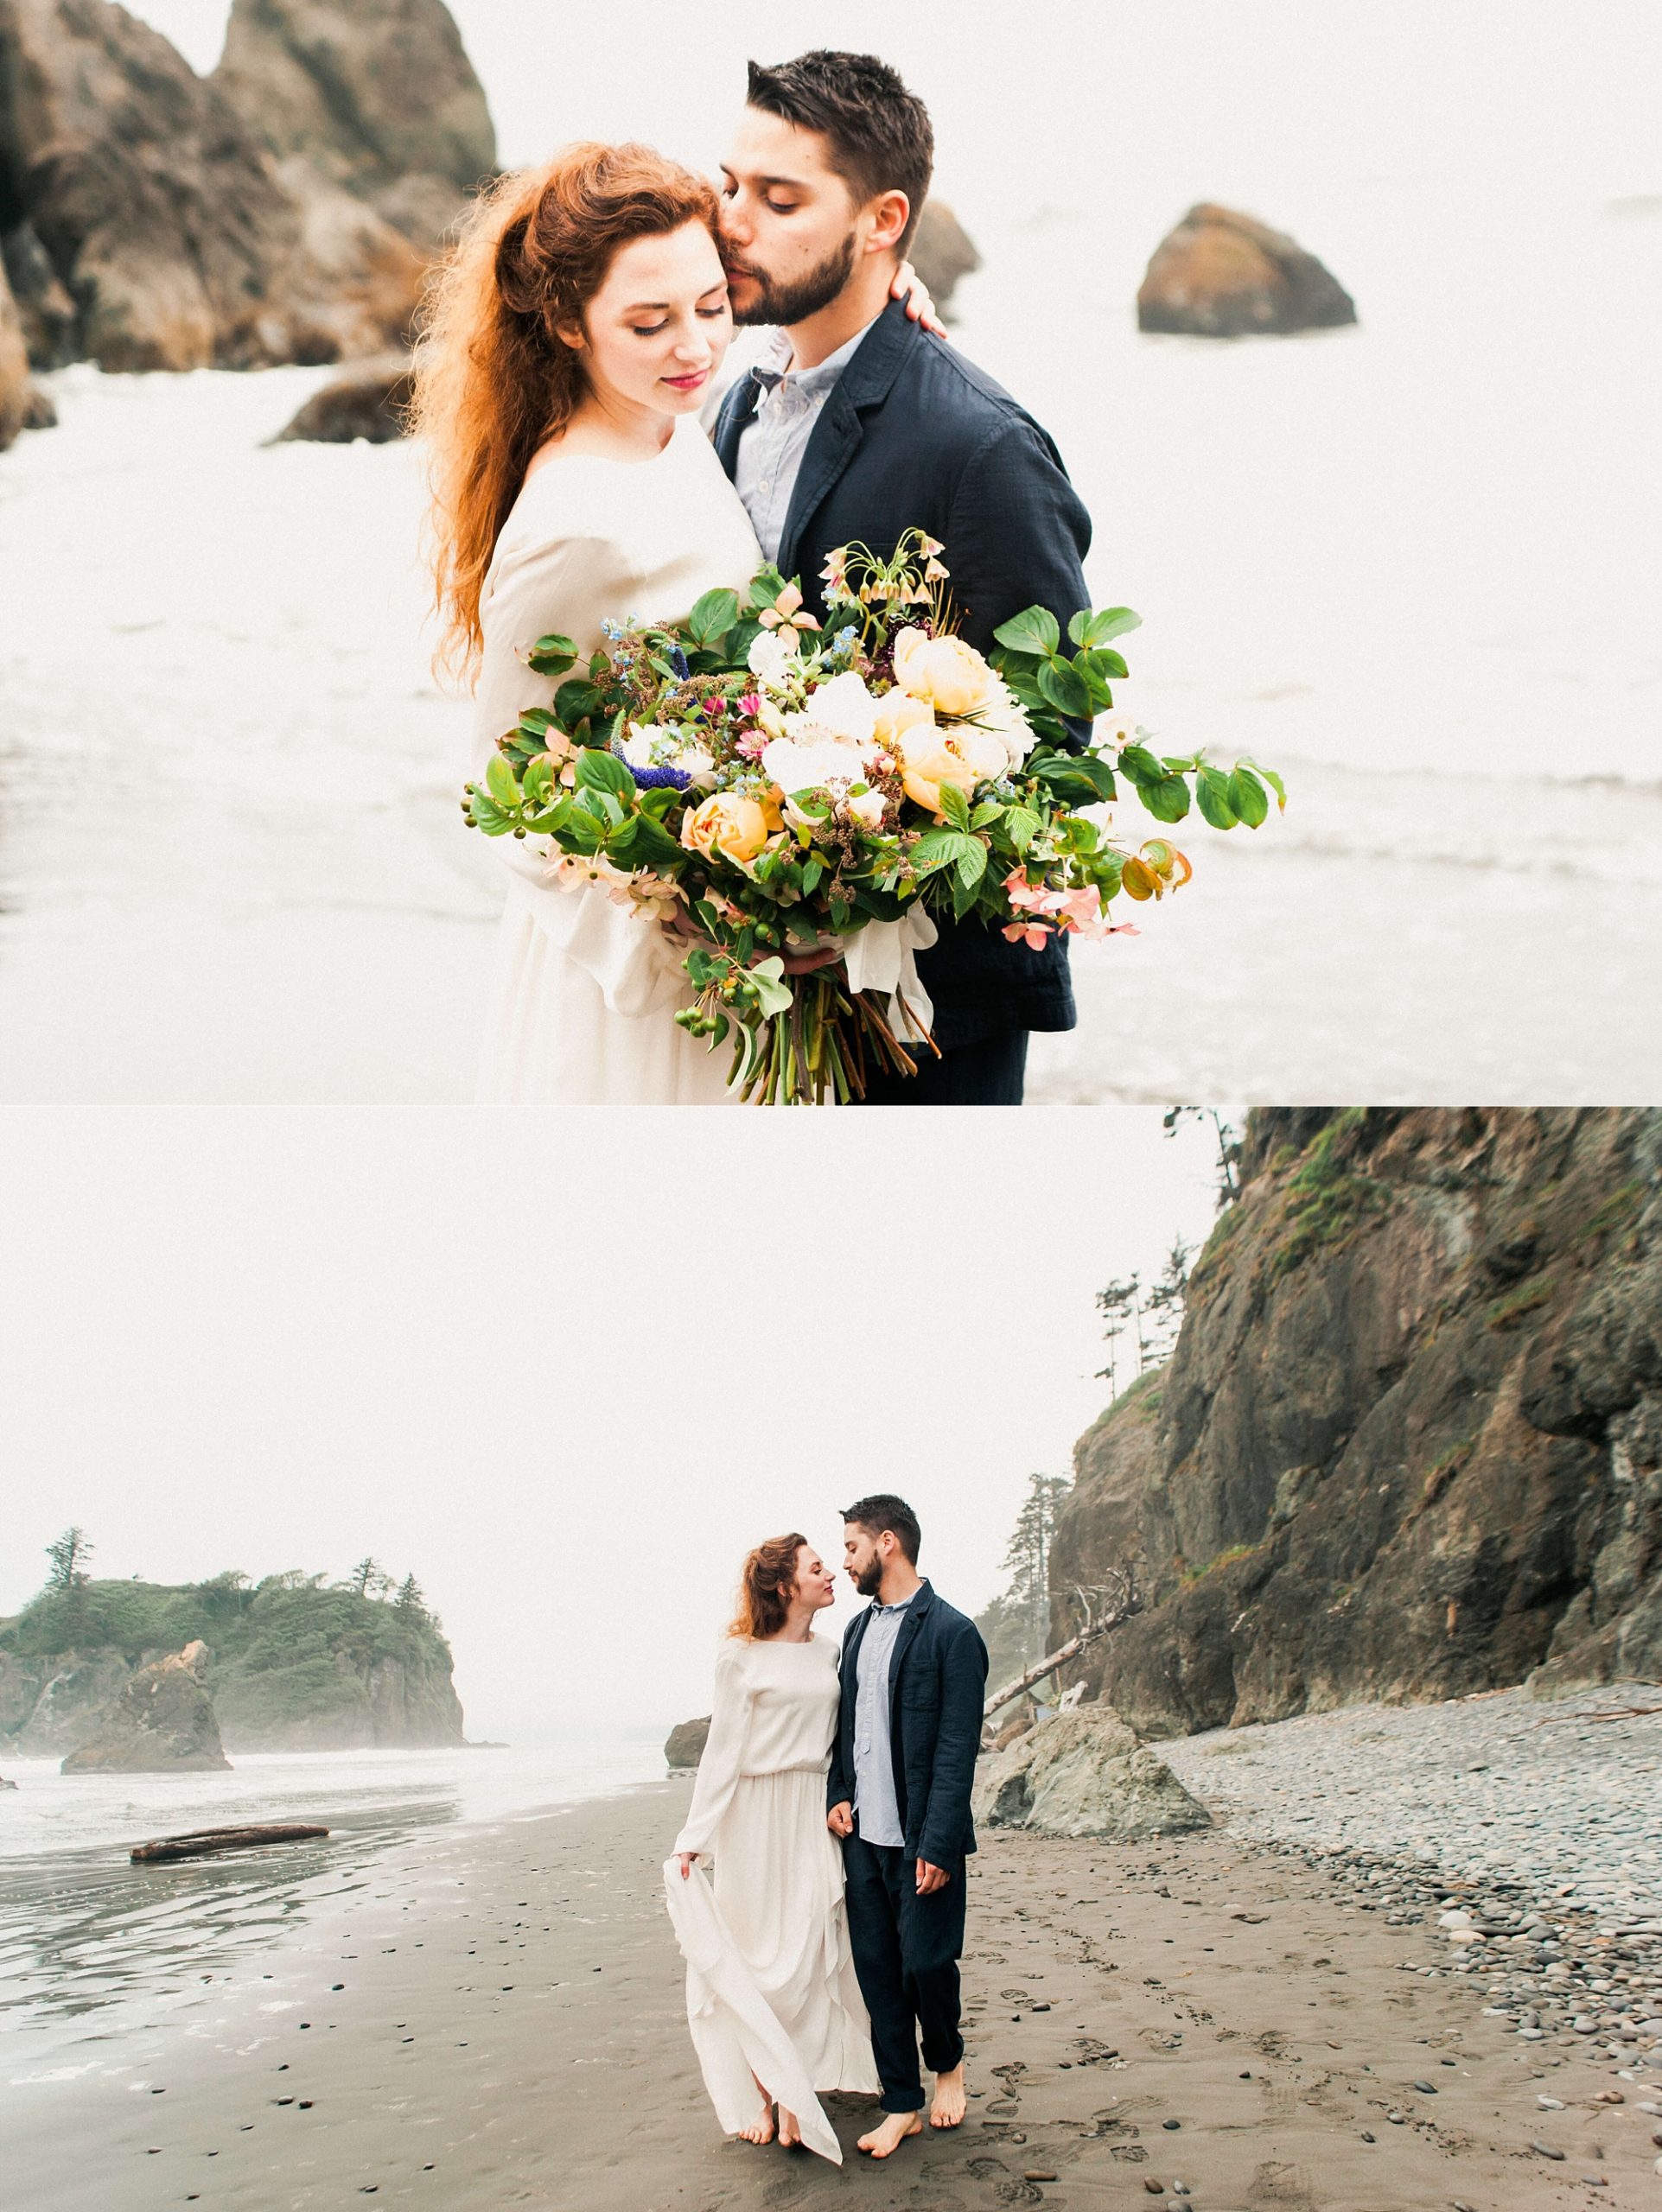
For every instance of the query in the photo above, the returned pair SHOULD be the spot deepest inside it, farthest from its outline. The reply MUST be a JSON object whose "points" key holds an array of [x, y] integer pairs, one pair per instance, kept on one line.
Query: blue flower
{"points": [[679, 662], [648, 779]]}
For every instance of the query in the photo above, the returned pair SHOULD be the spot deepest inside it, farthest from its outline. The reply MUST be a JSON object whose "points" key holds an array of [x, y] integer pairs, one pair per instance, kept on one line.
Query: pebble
{"points": [[1547, 2151], [1039, 2173]]}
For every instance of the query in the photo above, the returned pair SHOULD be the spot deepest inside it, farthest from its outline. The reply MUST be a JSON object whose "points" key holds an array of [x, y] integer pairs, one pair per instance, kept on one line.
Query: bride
{"points": [[774, 2008], [574, 335]]}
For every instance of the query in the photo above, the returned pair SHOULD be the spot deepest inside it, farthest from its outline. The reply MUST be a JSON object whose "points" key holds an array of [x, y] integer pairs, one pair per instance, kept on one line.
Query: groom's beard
{"points": [[785, 305], [869, 1580]]}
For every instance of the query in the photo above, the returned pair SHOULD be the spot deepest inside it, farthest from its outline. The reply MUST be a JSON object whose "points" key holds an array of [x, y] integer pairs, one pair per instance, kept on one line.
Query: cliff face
{"points": [[1409, 1444], [293, 1667]]}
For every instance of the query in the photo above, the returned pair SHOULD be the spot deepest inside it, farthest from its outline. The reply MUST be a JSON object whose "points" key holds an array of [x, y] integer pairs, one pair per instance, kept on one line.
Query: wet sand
{"points": [[1196, 2012]]}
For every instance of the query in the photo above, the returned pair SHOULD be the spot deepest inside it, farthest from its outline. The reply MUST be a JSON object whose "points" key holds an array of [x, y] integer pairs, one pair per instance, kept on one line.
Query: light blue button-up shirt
{"points": [[773, 442], [877, 1810]]}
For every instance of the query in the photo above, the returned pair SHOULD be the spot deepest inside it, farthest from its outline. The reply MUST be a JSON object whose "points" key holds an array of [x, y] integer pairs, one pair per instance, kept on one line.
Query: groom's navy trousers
{"points": [[906, 1951]]}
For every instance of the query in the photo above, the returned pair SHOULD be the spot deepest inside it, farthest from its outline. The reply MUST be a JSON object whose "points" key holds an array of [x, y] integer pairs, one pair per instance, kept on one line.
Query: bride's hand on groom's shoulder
{"points": [[919, 303]]}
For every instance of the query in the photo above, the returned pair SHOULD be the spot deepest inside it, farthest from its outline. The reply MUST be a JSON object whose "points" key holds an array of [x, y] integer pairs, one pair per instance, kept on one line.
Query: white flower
{"points": [[770, 656], [641, 747], [867, 809], [1119, 727], [695, 762], [842, 709], [796, 765], [1000, 715]]}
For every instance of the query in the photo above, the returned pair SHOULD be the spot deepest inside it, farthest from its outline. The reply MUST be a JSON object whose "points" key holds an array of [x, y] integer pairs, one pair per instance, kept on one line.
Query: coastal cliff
{"points": [[1409, 1445], [295, 1666]]}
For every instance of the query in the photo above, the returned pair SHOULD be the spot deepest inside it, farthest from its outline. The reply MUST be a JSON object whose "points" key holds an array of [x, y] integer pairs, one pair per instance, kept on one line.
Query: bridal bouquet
{"points": [[769, 786]]}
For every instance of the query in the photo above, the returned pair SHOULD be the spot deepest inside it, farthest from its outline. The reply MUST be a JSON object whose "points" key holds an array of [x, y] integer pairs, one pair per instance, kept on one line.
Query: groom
{"points": [[915, 1675], [862, 425]]}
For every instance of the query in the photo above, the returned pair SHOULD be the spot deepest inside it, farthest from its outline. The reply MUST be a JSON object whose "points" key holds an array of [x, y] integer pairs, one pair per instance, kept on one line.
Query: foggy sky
{"points": [[564, 1368]]}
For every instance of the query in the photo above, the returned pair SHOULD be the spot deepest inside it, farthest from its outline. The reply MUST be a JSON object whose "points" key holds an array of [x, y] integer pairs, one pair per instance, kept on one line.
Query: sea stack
{"points": [[686, 1744], [1224, 275], [163, 1723]]}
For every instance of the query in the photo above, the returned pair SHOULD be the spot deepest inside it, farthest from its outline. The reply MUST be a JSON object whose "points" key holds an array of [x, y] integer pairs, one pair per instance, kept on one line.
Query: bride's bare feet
{"points": [[946, 2107], [789, 2132], [884, 2141], [761, 2129]]}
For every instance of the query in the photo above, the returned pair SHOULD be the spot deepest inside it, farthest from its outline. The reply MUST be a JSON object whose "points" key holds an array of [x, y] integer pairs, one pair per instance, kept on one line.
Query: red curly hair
{"points": [[494, 381], [767, 1585]]}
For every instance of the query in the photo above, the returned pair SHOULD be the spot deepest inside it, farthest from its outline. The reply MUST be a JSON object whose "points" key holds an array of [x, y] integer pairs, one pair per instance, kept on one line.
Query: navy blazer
{"points": [[937, 1686], [913, 435]]}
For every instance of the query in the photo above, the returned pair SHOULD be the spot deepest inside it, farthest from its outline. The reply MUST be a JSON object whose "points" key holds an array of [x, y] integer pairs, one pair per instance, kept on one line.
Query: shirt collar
{"points": [[880, 1607], [770, 372]]}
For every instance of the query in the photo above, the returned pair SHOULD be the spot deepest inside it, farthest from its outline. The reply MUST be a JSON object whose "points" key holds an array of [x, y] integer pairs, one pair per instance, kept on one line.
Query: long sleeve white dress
{"points": [[770, 1989], [584, 992]]}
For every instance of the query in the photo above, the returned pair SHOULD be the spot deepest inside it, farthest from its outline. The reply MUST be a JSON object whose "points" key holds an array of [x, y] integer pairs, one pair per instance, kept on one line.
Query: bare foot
{"points": [[946, 2107], [884, 2141], [789, 2132], [761, 2129]]}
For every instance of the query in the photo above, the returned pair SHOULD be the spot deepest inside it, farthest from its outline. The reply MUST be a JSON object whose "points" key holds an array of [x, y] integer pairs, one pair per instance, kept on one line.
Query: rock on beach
{"points": [[1220, 273], [367, 402], [684, 1746], [163, 1723], [1086, 1774]]}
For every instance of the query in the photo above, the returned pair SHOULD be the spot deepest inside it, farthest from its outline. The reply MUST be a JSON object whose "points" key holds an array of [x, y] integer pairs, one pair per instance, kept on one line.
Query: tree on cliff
{"points": [[69, 1556], [369, 1578], [1029, 1558], [412, 1599]]}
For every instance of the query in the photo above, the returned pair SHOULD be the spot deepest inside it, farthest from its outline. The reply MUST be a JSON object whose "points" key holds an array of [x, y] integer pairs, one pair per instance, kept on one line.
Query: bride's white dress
{"points": [[584, 991], [771, 1990]]}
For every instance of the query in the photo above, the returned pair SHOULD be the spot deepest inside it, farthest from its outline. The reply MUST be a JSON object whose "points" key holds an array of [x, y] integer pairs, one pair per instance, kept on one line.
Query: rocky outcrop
{"points": [[377, 97], [1085, 1773], [150, 222], [163, 1723], [16, 389], [1409, 1444], [297, 1667], [369, 401], [1224, 275], [684, 1746], [942, 251]]}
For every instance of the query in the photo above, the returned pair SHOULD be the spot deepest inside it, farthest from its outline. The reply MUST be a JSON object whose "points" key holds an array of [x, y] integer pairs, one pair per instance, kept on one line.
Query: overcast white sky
{"points": [[1145, 105], [565, 1368]]}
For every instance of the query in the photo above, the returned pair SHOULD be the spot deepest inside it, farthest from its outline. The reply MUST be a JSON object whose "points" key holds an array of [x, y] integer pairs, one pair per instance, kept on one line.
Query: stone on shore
{"points": [[685, 1743], [1085, 1773], [163, 1723], [1224, 275], [151, 226], [942, 251], [378, 98], [367, 402]]}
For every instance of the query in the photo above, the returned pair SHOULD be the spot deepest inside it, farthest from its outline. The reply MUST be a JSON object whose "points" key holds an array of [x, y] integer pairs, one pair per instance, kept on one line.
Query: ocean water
{"points": [[92, 1947], [1412, 565]]}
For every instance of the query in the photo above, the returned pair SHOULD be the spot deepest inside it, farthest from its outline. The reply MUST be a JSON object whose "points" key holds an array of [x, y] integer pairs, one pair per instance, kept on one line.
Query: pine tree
{"points": [[1121, 1307], [1029, 1557], [369, 1578], [69, 1556], [1164, 1305], [409, 1599]]}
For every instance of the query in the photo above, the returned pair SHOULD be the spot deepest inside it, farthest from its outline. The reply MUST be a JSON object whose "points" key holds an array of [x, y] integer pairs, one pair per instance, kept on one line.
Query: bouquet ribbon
{"points": [[883, 957]]}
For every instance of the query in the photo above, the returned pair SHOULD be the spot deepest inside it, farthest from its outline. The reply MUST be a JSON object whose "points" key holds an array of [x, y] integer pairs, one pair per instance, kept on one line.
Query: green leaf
{"points": [[973, 864], [575, 701], [552, 656], [1095, 629], [537, 721], [767, 979], [1168, 800], [765, 588], [1272, 779], [939, 849], [1248, 797], [1022, 825], [604, 771], [1212, 789], [1078, 779], [987, 812], [1035, 630], [1065, 687], [499, 778], [1140, 765], [712, 617], [812, 871], [955, 806]]}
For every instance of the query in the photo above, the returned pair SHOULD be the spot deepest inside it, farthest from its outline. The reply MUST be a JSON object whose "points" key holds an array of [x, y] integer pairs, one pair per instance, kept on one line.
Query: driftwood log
{"points": [[200, 1843], [1104, 1609]]}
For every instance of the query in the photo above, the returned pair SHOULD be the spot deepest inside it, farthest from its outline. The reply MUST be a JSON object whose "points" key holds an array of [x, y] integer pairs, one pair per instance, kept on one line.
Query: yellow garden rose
{"points": [[728, 824], [951, 676], [930, 757], [896, 713]]}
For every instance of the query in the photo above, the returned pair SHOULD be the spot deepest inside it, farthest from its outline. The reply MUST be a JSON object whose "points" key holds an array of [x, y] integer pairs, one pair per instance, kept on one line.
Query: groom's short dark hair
{"points": [[885, 1510], [880, 136]]}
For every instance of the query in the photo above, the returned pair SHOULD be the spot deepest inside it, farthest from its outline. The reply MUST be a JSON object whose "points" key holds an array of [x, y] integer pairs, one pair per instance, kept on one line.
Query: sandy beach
{"points": [[497, 2019]]}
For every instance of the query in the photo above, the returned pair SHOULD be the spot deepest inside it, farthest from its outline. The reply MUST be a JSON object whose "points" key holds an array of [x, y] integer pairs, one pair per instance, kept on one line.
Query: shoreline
{"points": [[443, 2040]]}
